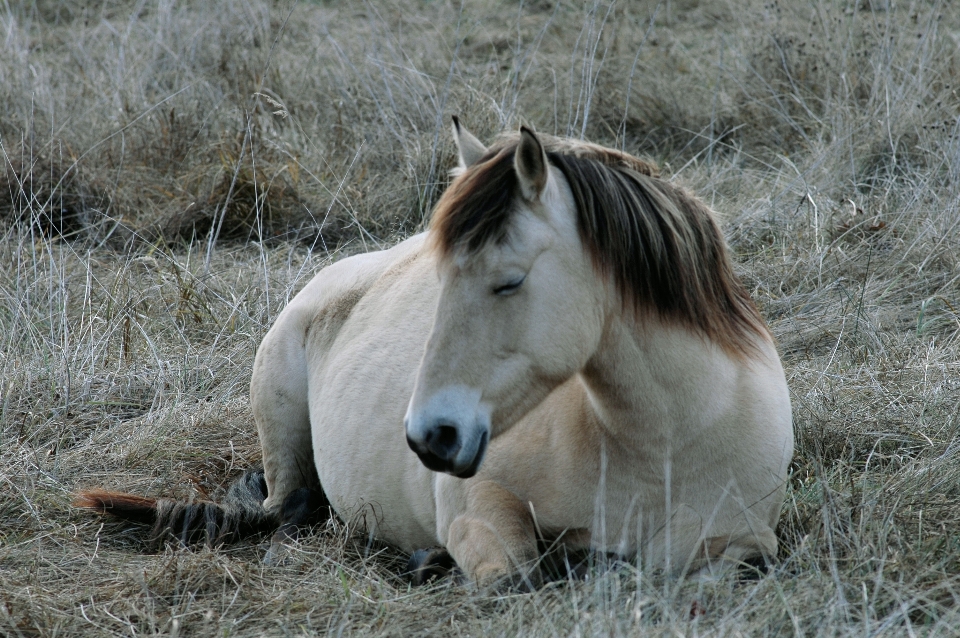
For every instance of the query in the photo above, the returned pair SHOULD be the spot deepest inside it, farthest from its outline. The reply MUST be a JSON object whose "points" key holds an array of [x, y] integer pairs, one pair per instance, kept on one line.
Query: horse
{"points": [[565, 356]]}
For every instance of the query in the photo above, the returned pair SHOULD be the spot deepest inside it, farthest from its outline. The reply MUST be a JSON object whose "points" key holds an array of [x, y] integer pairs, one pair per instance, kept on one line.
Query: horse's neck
{"points": [[650, 384]]}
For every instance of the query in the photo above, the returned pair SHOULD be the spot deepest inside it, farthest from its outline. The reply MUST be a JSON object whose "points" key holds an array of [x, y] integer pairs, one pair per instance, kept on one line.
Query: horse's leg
{"points": [[494, 540], [279, 398]]}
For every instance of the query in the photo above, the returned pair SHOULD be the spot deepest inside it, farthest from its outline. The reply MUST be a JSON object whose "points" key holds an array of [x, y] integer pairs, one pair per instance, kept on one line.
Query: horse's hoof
{"points": [[301, 508], [753, 568], [279, 544], [429, 564], [274, 556]]}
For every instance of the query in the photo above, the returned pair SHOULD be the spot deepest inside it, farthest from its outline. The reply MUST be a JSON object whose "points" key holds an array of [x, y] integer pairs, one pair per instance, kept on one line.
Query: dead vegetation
{"points": [[173, 174]]}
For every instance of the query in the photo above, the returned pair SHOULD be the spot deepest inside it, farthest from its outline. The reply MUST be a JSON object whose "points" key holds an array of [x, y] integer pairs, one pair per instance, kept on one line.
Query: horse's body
{"points": [[572, 405], [331, 383]]}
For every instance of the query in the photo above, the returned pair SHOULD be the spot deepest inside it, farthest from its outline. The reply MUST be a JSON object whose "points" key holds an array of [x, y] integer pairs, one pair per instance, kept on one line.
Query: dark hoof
{"points": [[302, 508], [429, 564], [753, 568]]}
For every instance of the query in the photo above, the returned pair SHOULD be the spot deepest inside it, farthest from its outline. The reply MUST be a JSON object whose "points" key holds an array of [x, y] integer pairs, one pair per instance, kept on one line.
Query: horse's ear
{"points": [[531, 163], [471, 149]]}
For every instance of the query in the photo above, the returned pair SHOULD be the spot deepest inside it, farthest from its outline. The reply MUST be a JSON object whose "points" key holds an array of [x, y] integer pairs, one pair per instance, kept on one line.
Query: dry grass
{"points": [[173, 174]]}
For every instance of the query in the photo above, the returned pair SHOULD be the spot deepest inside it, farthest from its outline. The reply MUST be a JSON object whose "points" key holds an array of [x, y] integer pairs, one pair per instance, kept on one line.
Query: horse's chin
{"points": [[477, 459]]}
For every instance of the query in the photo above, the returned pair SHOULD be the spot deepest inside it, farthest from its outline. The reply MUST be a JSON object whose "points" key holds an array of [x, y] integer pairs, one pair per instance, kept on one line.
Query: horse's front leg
{"points": [[494, 540]]}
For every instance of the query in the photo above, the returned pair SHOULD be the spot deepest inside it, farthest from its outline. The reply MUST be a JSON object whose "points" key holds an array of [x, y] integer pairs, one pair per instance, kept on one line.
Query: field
{"points": [[173, 173]]}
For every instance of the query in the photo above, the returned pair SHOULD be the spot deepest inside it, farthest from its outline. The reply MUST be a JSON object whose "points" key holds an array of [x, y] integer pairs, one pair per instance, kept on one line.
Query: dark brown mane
{"points": [[661, 245]]}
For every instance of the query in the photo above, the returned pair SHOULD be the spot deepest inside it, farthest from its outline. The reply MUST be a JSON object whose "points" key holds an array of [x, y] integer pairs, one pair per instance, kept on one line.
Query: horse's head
{"points": [[520, 309]]}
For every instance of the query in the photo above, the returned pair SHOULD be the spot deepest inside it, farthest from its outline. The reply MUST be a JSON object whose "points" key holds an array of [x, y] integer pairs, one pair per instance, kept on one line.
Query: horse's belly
{"points": [[358, 400]]}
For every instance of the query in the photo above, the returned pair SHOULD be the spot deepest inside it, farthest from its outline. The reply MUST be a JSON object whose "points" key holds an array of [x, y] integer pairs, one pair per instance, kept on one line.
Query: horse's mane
{"points": [[661, 245]]}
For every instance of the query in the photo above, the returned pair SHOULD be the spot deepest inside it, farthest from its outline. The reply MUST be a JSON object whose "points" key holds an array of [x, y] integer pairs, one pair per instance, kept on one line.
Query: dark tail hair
{"points": [[240, 514]]}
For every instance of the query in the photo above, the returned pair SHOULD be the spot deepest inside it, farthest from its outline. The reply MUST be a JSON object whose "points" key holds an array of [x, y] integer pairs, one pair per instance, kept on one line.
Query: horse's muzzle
{"points": [[443, 449], [449, 429]]}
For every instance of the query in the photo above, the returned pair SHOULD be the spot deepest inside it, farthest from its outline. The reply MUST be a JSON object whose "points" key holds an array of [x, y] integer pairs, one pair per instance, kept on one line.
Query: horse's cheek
{"points": [[564, 344]]}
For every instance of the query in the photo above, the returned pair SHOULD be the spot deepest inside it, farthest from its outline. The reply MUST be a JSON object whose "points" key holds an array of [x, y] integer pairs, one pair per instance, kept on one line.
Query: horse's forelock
{"points": [[475, 209]]}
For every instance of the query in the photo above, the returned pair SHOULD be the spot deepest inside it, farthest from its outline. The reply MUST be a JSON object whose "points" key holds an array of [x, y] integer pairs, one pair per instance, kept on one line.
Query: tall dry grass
{"points": [[173, 174]]}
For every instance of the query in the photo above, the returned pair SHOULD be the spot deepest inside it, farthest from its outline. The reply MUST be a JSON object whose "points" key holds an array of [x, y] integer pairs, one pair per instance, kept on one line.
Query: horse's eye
{"points": [[510, 288]]}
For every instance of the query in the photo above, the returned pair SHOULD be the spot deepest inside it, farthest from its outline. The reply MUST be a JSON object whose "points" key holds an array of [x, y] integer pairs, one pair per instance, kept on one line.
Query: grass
{"points": [[173, 174]]}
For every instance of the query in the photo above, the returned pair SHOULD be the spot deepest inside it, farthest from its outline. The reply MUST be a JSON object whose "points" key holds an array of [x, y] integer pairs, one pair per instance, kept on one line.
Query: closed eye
{"points": [[509, 288]]}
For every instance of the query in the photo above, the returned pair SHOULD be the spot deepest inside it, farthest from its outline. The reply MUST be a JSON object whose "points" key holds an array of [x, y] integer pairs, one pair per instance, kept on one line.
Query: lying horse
{"points": [[566, 354]]}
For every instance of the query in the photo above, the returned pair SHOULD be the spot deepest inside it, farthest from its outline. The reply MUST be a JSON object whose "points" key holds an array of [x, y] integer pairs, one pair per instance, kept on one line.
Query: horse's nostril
{"points": [[442, 441], [447, 435]]}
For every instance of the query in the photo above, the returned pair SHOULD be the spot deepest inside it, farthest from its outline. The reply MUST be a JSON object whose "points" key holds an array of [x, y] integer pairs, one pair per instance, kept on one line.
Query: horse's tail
{"points": [[240, 514]]}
